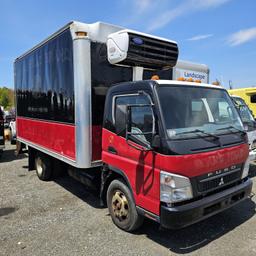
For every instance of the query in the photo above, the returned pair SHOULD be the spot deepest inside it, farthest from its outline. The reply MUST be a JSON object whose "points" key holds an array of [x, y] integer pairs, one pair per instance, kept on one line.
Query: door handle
{"points": [[112, 150]]}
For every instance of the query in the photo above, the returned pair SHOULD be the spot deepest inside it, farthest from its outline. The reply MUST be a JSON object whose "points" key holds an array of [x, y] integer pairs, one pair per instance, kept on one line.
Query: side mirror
{"points": [[246, 127], [120, 119], [156, 142]]}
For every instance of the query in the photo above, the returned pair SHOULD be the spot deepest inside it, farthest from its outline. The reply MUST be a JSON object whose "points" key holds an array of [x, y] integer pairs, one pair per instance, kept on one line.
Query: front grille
{"points": [[151, 53], [219, 179]]}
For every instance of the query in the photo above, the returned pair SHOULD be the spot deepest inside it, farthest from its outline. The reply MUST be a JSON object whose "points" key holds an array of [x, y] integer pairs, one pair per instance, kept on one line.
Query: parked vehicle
{"points": [[249, 124], [2, 142], [191, 72], [171, 151], [12, 126], [248, 95]]}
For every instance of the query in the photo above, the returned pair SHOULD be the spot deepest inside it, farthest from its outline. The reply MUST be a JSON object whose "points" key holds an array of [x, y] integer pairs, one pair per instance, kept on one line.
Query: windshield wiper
{"points": [[232, 127], [201, 131]]}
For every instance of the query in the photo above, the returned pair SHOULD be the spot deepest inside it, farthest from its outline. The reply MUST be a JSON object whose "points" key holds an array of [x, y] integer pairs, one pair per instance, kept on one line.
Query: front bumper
{"points": [[187, 214]]}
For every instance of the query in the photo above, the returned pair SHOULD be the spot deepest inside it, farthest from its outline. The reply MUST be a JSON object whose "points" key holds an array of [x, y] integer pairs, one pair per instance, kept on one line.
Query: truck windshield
{"points": [[189, 109], [244, 111]]}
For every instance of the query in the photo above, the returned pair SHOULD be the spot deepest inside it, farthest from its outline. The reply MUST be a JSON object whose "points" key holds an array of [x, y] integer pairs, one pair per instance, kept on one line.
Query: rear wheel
{"points": [[122, 207], [43, 166]]}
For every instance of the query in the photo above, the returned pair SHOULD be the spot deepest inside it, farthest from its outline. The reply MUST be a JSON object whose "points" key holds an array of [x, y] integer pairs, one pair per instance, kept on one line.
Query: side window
{"points": [[142, 123], [224, 111], [253, 98], [129, 100], [199, 114], [141, 117], [197, 106], [223, 108]]}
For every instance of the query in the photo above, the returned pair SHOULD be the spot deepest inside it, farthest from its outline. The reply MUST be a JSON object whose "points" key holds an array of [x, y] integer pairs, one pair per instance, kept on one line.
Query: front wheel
{"points": [[122, 207]]}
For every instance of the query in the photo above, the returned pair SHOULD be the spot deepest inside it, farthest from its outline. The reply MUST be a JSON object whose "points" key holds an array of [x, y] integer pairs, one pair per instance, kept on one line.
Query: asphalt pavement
{"points": [[62, 217]]}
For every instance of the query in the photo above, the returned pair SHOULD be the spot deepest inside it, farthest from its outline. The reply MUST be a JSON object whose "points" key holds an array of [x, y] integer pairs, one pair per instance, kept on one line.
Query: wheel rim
{"points": [[39, 167], [120, 205]]}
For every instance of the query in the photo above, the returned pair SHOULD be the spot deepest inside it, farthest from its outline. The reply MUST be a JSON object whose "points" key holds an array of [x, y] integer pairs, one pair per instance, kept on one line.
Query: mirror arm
{"points": [[142, 148], [155, 141], [138, 148]]}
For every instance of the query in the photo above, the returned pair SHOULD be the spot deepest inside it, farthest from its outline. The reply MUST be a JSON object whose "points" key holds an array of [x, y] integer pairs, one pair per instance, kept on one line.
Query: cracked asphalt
{"points": [[62, 217]]}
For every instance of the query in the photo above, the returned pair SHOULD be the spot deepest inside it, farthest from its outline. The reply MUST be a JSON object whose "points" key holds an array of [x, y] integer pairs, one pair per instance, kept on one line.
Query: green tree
{"points": [[6, 97], [4, 100]]}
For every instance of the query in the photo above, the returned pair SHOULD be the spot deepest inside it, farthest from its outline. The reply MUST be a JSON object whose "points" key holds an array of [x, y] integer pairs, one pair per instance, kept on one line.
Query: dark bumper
{"points": [[185, 215]]}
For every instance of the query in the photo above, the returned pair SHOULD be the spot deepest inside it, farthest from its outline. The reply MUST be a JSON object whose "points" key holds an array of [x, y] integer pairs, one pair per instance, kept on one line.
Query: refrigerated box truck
{"points": [[160, 149]]}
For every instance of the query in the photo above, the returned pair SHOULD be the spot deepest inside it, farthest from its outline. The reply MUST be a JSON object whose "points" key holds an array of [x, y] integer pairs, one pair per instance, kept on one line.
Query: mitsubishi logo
{"points": [[221, 182]]}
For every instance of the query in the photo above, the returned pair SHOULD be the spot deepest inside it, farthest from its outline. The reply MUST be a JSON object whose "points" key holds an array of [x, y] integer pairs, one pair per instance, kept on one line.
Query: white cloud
{"points": [[210, 3], [199, 37], [143, 5], [167, 17], [242, 36], [187, 7], [138, 10]]}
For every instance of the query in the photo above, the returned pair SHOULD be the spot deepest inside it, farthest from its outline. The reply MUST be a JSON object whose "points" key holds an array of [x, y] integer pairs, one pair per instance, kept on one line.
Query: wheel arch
{"points": [[109, 174]]}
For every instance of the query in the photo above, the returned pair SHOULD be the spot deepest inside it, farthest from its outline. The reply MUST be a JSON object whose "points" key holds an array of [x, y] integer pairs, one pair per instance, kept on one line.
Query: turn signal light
{"points": [[155, 77], [81, 33]]}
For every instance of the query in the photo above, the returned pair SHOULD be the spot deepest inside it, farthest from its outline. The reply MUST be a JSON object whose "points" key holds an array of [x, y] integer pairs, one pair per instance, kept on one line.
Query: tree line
{"points": [[6, 98]]}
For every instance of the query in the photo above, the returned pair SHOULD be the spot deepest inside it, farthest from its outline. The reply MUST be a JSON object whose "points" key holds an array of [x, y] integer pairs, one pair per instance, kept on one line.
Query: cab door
{"points": [[131, 154]]}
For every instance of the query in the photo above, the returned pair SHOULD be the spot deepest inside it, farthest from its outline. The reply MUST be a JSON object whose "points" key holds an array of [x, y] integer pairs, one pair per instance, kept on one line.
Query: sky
{"points": [[218, 33]]}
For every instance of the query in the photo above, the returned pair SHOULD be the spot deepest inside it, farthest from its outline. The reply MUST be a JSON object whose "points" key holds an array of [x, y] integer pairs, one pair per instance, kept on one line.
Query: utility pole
{"points": [[230, 84]]}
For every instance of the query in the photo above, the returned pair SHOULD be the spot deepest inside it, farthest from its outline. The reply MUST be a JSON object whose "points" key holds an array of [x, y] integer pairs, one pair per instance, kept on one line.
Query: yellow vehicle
{"points": [[248, 95]]}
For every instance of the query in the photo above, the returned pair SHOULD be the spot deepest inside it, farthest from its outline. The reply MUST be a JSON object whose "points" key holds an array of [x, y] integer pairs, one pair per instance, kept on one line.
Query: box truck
{"points": [[171, 151], [248, 95], [191, 71]]}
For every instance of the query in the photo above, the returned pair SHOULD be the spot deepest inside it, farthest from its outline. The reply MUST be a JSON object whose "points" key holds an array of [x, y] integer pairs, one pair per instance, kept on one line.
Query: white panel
{"points": [[82, 82]]}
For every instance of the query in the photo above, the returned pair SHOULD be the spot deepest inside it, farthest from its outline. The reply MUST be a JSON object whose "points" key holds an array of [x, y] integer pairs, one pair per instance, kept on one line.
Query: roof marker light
{"points": [[155, 77], [81, 33]]}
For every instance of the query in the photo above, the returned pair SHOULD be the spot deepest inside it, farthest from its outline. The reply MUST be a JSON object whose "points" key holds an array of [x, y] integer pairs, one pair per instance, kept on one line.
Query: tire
{"points": [[12, 139], [43, 167], [122, 207]]}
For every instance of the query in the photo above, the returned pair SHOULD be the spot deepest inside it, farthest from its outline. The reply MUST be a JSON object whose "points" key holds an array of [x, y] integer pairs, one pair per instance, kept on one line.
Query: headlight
{"points": [[174, 188], [246, 168]]}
